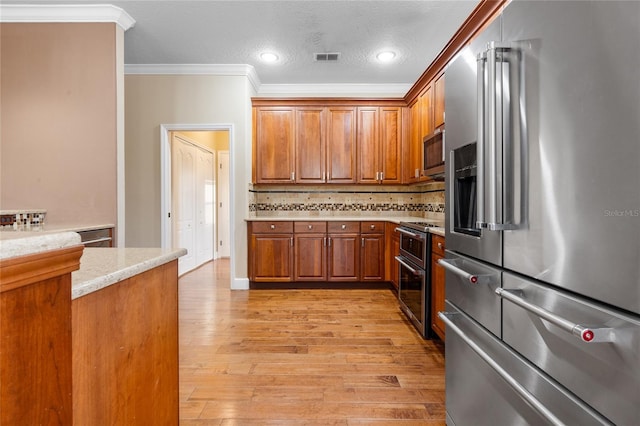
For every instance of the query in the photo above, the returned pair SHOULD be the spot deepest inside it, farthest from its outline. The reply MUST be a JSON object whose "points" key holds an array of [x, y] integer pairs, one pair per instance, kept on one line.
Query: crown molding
{"points": [[329, 90], [268, 90], [23, 13], [196, 69]]}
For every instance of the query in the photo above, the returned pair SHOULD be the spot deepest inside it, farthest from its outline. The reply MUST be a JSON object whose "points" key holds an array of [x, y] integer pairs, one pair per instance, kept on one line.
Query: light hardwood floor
{"points": [[293, 357]]}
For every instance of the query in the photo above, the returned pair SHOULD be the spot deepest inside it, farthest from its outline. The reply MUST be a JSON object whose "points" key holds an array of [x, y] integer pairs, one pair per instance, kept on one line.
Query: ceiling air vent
{"points": [[327, 57]]}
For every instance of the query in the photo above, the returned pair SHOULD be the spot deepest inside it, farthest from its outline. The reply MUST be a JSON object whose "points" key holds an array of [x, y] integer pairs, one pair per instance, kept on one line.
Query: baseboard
{"points": [[240, 284]]}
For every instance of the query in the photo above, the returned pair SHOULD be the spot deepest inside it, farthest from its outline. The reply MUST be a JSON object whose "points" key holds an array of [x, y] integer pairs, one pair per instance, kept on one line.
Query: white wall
{"points": [[152, 100]]}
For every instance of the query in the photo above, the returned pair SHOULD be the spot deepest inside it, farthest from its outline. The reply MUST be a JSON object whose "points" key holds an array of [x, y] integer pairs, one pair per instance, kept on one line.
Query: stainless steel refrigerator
{"points": [[543, 218]]}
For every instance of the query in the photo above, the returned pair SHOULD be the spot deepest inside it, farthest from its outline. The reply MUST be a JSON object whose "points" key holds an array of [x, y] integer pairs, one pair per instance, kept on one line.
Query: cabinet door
{"points": [[272, 257], [344, 257], [438, 109], [414, 153], [426, 115], [372, 257], [341, 145], [310, 255], [368, 145], [437, 287], [392, 249], [310, 145], [390, 144], [275, 149]]}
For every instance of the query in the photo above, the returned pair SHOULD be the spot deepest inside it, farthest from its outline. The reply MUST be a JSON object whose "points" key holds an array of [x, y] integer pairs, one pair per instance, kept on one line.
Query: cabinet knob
{"points": [[273, 227], [373, 227], [440, 246], [344, 226], [310, 227]]}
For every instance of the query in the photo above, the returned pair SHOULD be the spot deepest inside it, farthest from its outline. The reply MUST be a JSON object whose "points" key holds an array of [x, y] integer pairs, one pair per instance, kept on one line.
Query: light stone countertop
{"points": [[102, 267], [7, 232], [25, 243]]}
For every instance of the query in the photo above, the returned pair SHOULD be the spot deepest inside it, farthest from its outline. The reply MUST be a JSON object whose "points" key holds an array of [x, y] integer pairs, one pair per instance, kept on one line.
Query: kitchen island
{"points": [[96, 346]]}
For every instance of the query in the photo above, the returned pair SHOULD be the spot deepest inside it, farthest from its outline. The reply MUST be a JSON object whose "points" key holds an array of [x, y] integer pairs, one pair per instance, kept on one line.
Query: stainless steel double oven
{"points": [[414, 261]]}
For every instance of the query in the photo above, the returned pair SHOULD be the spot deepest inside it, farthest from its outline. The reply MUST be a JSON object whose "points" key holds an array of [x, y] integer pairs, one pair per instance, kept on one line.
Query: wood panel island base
{"points": [[98, 346]]}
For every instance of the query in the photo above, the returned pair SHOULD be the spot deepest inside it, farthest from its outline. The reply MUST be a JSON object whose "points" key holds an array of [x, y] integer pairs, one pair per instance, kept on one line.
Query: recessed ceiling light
{"points": [[269, 57], [386, 56]]}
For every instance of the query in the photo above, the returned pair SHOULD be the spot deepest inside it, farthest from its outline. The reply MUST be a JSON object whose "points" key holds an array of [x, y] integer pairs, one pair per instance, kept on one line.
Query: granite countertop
{"points": [[102, 267], [16, 244], [99, 267], [7, 232], [394, 219]]}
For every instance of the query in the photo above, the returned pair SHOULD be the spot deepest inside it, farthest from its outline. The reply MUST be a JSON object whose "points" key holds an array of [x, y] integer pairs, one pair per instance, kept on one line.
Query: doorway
{"points": [[196, 209]]}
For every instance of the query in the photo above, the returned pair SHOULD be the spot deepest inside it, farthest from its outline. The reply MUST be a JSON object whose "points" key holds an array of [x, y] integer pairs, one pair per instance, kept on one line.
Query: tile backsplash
{"points": [[425, 201]]}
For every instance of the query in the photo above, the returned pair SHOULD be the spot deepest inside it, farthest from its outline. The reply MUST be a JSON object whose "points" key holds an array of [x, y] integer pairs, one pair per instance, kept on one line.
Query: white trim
{"points": [[66, 13], [240, 283], [196, 69], [369, 90], [165, 182], [120, 147]]}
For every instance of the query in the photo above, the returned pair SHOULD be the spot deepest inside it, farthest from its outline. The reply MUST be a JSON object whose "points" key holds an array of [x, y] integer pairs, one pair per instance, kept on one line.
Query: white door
{"points": [[183, 185], [224, 231], [204, 205]]}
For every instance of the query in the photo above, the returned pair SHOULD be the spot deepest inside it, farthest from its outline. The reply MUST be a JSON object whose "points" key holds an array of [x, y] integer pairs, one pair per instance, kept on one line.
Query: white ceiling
{"points": [[235, 32]]}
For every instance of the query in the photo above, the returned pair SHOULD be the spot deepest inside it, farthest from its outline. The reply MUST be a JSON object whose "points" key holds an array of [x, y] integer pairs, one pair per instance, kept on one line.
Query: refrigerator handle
{"points": [[481, 61], [582, 332], [515, 385], [495, 187], [453, 266]]}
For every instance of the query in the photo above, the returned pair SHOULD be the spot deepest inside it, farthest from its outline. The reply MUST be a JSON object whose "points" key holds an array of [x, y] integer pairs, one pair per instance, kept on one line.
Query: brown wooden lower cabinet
{"points": [[125, 351], [35, 338], [437, 285], [372, 256], [343, 240], [310, 251], [271, 251], [319, 251]]}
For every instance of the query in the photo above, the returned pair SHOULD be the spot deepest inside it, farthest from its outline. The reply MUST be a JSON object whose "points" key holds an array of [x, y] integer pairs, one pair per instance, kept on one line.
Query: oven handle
{"points": [[410, 268], [515, 385], [410, 234], [584, 333], [449, 264]]}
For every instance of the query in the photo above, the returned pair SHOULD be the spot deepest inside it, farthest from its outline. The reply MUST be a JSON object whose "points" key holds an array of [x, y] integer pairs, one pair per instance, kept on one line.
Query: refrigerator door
{"points": [[554, 339], [461, 100], [499, 387], [580, 162]]}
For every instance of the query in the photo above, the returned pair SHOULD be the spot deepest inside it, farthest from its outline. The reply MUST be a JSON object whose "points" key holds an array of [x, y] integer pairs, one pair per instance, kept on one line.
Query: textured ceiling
{"points": [[235, 32]]}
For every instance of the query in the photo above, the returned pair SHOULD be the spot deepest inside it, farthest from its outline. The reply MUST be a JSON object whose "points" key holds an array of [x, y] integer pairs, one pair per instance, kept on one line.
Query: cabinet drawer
{"points": [[344, 227], [437, 245], [310, 227], [271, 227], [372, 227], [96, 237]]}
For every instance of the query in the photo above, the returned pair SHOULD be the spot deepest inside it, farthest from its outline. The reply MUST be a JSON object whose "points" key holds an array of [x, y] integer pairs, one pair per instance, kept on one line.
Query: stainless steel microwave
{"points": [[433, 154]]}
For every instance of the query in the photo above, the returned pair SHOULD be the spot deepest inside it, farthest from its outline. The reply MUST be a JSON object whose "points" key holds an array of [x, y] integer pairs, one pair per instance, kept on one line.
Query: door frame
{"points": [[165, 180]]}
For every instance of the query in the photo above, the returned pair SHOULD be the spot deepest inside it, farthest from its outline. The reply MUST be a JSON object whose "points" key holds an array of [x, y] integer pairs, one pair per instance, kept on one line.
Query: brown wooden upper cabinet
{"points": [[413, 152], [331, 143], [275, 145], [379, 144], [438, 109], [341, 145]]}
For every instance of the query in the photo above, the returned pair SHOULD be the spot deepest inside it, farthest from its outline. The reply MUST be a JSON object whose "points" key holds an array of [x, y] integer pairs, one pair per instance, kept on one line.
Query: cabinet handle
{"points": [[324, 241], [291, 241], [293, 175], [381, 176], [344, 226], [329, 240], [362, 242], [273, 227], [310, 227]]}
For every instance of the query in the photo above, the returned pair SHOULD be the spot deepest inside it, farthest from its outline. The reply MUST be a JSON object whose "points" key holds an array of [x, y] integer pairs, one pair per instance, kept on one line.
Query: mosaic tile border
{"points": [[347, 207]]}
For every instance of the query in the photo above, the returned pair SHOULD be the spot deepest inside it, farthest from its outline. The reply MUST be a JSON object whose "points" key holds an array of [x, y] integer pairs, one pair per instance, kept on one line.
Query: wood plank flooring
{"points": [[294, 357]]}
